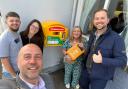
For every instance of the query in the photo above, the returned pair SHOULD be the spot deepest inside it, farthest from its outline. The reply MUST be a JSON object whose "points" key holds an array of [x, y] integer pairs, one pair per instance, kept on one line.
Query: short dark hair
{"points": [[12, 14], [101, 10]]}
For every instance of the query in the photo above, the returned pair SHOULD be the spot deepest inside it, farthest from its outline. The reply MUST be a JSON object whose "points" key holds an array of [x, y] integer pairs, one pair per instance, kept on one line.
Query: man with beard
{"points": [[10, 44], [106, 51]]}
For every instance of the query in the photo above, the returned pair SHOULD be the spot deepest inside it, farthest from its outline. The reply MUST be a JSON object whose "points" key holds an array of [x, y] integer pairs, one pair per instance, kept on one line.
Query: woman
{"points": [[73, 69], [33, 34]]}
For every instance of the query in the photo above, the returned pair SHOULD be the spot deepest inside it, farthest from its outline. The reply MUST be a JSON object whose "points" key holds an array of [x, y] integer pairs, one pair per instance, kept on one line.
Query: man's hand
{"points": [[97, 58]]}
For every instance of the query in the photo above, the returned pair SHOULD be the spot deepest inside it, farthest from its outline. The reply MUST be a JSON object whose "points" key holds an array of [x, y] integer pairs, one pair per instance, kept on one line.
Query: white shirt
{"points": [[41, 84]]}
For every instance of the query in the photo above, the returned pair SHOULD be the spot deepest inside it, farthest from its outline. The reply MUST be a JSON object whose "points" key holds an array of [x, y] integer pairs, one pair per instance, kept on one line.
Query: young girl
{"points": [[73, 68]]}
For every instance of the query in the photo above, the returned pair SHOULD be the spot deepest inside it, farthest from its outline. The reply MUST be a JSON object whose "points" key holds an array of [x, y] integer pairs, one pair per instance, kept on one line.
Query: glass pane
{"points": [[89, 7]]}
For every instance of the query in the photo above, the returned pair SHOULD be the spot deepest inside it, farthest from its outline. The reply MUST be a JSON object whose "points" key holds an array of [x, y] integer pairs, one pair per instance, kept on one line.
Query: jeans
{"points": [[6, 75]]}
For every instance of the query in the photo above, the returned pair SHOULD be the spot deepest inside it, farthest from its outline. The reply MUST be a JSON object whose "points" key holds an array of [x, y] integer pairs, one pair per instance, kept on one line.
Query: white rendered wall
{"points": [[59, 10]]}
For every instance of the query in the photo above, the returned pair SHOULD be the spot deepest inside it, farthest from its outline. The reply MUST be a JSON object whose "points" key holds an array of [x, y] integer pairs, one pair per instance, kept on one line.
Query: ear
{"points": [[20, 21], [108, 20], [5, 21]]}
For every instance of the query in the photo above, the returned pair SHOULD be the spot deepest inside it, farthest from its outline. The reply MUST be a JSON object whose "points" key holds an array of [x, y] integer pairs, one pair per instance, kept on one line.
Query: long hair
{"points": [[72, 38], [39, 36], [39, 33]]}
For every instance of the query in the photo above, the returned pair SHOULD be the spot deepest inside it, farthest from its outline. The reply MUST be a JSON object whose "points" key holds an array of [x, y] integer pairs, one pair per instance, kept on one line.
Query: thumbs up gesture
{"points": [[97, 58]]}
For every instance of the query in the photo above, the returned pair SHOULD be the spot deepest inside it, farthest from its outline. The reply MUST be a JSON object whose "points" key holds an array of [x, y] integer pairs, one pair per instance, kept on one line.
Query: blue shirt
{"points": [[10, 44]]}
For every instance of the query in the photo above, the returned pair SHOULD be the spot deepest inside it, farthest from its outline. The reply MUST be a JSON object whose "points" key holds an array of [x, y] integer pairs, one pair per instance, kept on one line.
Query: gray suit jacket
{"points": [[19, 84]]}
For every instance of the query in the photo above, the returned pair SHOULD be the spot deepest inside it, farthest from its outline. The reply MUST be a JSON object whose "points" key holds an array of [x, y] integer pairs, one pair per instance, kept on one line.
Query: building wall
{"points": [[59, 10]]}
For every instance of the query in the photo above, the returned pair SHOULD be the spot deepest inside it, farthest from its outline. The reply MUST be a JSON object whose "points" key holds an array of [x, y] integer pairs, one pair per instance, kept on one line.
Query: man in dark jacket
{"points": [[106, 51]]}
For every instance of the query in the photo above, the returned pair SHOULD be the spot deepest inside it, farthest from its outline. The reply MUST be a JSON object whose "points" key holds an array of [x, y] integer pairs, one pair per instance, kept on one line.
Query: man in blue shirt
{"points": [[10, 44]]}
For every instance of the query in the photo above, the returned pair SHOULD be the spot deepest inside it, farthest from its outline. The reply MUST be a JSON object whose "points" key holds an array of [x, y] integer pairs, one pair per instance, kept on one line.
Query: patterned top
{"points": [[68, 45]]}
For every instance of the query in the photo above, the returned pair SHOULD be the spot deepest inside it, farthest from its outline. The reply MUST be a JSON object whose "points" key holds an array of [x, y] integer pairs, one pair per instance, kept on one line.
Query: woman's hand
{"points": [[81, 45], [68, 59]]}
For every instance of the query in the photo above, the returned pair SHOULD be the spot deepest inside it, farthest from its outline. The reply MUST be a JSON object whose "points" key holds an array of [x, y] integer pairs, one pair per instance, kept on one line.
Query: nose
{"points": [[32, 61], [15, 22]]}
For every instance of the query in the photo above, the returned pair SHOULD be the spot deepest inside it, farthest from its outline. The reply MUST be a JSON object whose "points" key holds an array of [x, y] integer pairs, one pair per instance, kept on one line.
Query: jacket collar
{"points": [[21, 84], [106, 33]]}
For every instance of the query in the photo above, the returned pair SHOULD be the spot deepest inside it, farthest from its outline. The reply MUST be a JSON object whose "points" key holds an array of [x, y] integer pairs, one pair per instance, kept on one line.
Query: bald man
{"points": [[29, 62]]}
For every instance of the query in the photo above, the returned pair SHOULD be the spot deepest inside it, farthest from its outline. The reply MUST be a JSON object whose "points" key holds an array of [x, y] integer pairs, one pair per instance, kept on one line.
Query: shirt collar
{"points": [[41, 84], [105, 33]]}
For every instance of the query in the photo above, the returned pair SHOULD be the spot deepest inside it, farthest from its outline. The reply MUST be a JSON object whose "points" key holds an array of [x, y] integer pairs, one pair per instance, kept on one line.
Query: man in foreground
{"points": [[30, 65]]}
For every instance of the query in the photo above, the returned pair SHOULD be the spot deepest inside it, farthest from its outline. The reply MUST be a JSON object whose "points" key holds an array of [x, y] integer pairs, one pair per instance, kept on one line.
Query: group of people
{"points": [[104, 52], [21, 54], [11, 42]]}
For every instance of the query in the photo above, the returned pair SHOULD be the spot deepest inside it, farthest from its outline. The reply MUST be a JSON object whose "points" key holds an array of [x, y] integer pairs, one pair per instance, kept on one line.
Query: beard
{"points": [[14, 30], [30, 78], [100, 26]]}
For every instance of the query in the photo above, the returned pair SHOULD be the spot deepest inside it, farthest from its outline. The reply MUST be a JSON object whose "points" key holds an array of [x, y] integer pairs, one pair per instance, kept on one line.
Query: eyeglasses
{"points": [[34, 27]]}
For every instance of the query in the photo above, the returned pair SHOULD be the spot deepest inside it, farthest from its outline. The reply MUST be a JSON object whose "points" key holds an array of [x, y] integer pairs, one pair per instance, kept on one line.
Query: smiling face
{"points": [[30, 62], [76, 33], [13, 23], [100, 20], [34, 28]]}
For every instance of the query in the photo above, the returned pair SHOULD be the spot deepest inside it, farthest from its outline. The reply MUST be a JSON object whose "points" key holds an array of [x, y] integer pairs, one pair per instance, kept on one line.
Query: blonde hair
{"points": [[72, 38]]}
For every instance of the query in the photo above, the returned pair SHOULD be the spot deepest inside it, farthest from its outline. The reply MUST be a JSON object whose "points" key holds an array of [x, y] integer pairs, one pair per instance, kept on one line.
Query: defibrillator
{"points": [[55, 33]]}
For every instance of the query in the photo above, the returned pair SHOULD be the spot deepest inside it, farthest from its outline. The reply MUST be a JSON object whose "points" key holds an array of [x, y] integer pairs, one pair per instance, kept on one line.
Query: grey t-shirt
{"points": [[10, 44]]}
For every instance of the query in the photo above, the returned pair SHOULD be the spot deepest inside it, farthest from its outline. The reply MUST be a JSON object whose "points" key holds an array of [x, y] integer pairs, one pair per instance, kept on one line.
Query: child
{"points": [[73, 68]]}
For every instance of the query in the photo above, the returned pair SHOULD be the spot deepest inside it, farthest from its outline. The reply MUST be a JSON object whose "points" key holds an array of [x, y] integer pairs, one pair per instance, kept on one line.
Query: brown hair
{"points": [[12, 14], [39, 33], [101, 10], [39, 36]]}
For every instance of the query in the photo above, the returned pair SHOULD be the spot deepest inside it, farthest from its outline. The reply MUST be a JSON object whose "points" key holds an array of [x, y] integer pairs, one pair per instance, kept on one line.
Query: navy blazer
{"points": [[112, 48]]}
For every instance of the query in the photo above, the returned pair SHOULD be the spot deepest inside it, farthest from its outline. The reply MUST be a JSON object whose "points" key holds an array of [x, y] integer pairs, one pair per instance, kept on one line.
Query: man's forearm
{"points": [[7, 66]]}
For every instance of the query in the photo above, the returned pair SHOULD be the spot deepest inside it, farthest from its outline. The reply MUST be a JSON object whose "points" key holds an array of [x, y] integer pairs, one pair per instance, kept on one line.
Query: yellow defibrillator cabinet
{"points": [[55, 33]]}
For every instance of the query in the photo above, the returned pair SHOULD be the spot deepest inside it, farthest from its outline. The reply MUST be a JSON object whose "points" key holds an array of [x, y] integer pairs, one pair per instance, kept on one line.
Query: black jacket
{"points": [[36, 40]]}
